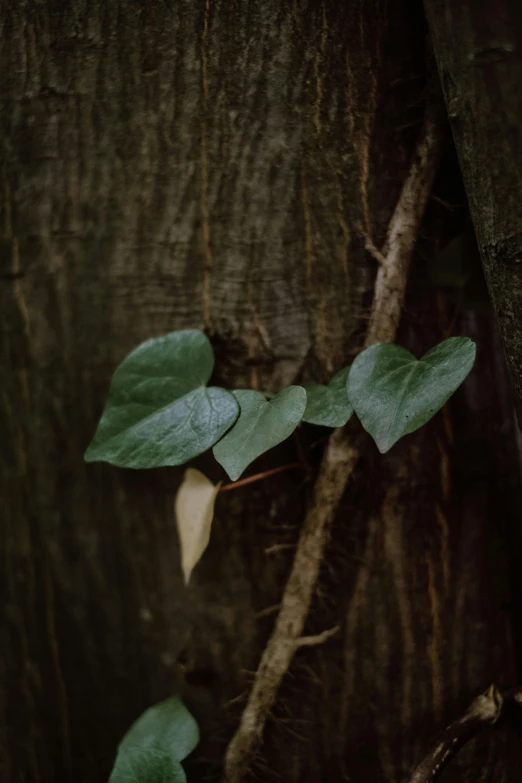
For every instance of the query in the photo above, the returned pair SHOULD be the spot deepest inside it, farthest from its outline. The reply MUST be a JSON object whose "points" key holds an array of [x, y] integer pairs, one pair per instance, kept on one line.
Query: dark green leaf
{"points": [[167, 726], [159, 410], [146, 765], [393, 394], [328, 406], [261, 425]]}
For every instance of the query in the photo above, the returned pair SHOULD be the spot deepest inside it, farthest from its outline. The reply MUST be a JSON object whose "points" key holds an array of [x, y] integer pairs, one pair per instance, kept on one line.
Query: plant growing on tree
{"points": [[161, 412]]}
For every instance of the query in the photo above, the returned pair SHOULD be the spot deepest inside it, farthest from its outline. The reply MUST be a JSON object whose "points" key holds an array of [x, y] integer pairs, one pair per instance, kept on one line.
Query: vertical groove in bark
{"points": [[478, 46]]}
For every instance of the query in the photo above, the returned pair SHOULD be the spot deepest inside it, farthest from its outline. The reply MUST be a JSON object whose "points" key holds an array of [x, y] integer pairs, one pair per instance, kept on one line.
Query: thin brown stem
{"points": [[484, 711], [318, 638], [339, 460], [402, 233], [259, 476], [372, 250]]}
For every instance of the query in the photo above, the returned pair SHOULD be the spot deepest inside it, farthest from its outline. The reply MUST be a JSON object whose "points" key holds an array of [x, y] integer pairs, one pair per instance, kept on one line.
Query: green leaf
{"points": [[261, 425], [146, 765], [393, 394], [328, 406], [159, 410], [168, 726], [153, 747]]}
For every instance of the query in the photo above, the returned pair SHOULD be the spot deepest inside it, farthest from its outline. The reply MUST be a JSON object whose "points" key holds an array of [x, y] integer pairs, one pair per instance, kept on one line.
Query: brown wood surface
{"points": [[478, 46], [216, 165]]}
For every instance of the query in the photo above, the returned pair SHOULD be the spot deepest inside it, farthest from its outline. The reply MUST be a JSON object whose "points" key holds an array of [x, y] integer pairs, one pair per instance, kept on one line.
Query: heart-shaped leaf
{"points": [[262, 424], [154, 745], [159, 410], [146, 765], [166, 726], [393, 394], [194, 509], [328, 406]]}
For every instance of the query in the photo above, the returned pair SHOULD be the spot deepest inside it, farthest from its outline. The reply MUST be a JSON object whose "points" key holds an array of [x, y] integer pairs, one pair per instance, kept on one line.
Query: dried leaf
{"points": [[194, 509]]}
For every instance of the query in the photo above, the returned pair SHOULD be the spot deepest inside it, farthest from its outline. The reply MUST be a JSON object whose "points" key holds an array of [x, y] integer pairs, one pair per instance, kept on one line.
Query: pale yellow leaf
{"points": [[194, 510]]}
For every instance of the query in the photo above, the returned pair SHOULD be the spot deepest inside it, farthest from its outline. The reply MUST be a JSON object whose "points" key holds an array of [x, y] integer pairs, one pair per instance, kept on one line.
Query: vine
{"points": [[160, 411]]}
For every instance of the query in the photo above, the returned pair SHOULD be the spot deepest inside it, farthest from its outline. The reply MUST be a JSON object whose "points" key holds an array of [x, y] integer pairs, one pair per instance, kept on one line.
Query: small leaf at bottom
{"points": [[146, 765], [166, 726]]}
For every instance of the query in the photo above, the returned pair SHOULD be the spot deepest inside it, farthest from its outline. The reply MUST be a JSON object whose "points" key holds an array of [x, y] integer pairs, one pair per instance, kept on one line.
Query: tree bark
{"points": [[478, 46], [220, 165]]}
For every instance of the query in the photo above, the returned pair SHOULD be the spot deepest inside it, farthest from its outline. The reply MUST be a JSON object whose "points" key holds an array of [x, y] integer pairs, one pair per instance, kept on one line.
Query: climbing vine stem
{"points": [[341, 454]]}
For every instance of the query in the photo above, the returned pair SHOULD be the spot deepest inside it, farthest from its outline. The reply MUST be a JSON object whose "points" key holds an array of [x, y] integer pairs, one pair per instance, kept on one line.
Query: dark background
{"points": [[216, 165]]}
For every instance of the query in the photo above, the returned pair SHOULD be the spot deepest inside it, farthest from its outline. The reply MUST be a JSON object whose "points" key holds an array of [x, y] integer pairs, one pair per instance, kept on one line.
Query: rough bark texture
{"points": [[478, 46], [219, 164]]}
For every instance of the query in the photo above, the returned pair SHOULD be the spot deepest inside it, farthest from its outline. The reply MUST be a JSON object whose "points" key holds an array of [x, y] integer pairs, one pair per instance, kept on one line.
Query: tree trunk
{"points": [[219, 165], [478, 46]]}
